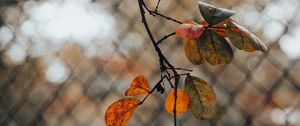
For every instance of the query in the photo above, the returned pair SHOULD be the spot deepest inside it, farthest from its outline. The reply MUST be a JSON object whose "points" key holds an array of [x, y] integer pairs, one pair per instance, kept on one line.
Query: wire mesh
{"points": [[53, 77]]}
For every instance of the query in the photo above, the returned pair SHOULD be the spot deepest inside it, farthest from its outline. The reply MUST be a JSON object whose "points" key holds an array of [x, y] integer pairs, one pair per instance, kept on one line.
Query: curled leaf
{"points": [[190, 30], [243, 39], [139, 85], [182, 101], [192, 51], [213, 15], [202, 96], [215, 48], [120, 112]]}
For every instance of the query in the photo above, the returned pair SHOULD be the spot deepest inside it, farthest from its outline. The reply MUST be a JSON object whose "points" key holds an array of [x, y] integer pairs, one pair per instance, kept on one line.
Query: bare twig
{"points": [[154, 13], [158, 2], [165, 37]]}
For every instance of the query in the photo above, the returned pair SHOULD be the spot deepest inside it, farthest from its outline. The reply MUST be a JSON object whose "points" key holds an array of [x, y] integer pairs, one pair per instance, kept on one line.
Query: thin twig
{"points": [[157, 6], [165, 37], [154, 13], [153, 89], [184, 69]]}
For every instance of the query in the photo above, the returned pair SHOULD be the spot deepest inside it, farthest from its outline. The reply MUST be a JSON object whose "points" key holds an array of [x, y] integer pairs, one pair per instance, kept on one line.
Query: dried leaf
{"points": [[213, 15], [189, 29], [219, 28], [139, 85], [182, 101], [192, 51], [202, 96], [120, 112], [215, 48], [243, 39]]}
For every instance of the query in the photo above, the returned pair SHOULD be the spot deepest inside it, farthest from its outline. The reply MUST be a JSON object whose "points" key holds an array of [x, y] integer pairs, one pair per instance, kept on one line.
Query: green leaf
{"points": [[215, 48], [192, 51], [202, 97], [213, 15], [243, 39]]}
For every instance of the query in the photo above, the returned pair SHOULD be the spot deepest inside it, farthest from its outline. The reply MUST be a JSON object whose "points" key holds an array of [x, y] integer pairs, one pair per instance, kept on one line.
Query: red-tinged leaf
{"points": [[203, 98], [219, 28], [189, 29], [215, 48], [220, 31], [120, 112], [182, 101], [192, 51], [139, 85], [243, 39], [213, 15]]}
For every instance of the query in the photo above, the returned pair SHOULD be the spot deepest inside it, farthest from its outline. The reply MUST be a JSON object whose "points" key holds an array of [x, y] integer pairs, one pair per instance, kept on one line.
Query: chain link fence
{"points": [[63, 62]]}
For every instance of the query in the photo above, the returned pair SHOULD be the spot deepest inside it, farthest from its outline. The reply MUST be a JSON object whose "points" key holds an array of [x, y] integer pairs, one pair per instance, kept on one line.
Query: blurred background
{"points": [[63, 62]]}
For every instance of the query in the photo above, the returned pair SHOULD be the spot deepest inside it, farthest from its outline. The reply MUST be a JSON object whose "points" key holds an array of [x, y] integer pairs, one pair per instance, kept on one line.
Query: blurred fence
{"points": [[51, 74]]}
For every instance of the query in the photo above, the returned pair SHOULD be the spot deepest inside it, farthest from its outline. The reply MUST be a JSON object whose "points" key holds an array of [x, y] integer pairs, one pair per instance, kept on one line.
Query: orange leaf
{"points": [[189, 29], [219, 28], [139, 85], [120, 111], [182, 101]]}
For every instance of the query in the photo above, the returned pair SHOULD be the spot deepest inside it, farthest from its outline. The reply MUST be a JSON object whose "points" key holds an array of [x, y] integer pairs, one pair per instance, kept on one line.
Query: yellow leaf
{"points": [[139, 85], [202, 96], [120, 112], [182, 101]]}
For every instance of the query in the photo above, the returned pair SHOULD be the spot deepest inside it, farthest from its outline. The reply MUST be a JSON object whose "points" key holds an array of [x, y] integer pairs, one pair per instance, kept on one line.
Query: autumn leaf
{"points": [[219, 28], [192, 51], [120, 112], [213, 15], [182, 101], [215, 48], [139, 85], [243, 39], [189, 29], [202, 96]]}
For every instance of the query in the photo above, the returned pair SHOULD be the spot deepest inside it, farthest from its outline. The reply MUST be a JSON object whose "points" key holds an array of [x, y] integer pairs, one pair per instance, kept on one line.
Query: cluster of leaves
{"points": [[203, 41], [120, 111], [206, 40], [196, 95]]}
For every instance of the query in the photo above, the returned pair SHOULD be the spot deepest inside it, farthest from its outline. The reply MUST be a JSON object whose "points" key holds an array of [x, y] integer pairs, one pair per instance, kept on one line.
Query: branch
{"points": [[154, 13], [153, 89], [165, 65], [165, 37], [157, 6]]}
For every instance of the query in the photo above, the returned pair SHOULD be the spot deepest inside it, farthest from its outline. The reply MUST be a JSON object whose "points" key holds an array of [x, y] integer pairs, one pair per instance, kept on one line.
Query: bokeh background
{"points": [[63, 62]]}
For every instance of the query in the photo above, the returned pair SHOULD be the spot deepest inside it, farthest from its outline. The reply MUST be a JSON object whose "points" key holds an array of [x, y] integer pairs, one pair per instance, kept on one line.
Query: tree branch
{"points": [[165, 37], [154, 13], [158, 2], [165, 65]]}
